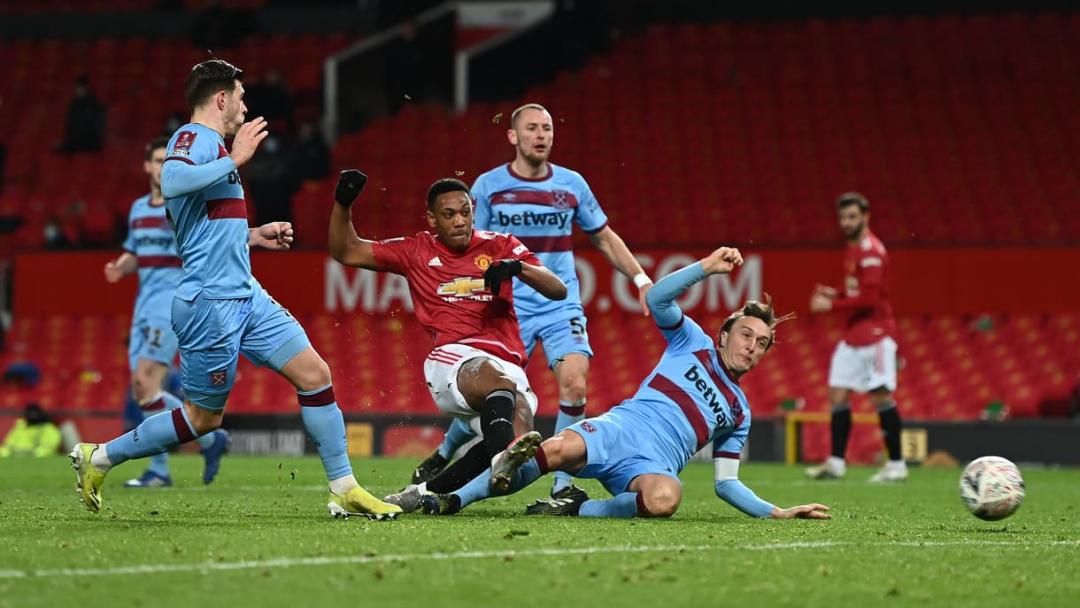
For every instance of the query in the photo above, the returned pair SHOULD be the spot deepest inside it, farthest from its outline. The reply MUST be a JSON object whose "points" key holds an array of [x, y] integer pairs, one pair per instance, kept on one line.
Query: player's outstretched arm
{"points": [[345, 245], [734, 492], [615, 250], [543, 280], [539, 278], [661, 298], [121, 267]]}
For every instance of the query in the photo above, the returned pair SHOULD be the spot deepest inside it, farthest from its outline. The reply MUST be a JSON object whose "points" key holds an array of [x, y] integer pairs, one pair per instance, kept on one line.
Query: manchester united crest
{"points": [[482, 261]]}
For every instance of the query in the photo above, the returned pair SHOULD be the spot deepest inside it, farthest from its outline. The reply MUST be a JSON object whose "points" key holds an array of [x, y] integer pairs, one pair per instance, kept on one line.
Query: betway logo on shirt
{"points": [[560, 219], [155, 241], [464, 288], [706, 394]]}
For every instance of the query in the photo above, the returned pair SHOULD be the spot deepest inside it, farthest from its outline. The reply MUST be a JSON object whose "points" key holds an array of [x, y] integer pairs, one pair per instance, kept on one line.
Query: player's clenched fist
{"points": [[247, 140], [349, 185], [499, 271], [724, 259]]}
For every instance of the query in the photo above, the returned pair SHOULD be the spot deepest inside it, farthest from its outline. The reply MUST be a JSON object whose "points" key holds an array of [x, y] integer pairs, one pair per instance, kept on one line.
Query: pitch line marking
{"points": [[288, 562]]}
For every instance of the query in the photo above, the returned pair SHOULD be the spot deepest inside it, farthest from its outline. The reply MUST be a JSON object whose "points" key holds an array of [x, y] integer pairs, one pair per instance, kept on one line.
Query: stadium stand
{"points": [[751, 128], [971, 367], [952, 135]]}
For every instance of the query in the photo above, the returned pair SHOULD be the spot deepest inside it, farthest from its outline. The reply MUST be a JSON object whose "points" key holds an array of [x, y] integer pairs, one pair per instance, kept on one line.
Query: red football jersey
{"points": [[448, 293], [865, 293]]}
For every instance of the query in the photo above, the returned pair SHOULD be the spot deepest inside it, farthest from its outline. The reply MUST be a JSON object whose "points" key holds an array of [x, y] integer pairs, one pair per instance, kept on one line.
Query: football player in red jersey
{"points": [[865, 359], [460, 283]]}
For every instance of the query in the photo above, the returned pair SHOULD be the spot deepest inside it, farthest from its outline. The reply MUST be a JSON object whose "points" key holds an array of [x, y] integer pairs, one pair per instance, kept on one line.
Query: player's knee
{"points": [[573, 388], [141, 389], [202, 421], [554, 452], [839, 400], [503, 382], [564, 452], [491, 378], [662, 501], [880, 397], [314, 375]]}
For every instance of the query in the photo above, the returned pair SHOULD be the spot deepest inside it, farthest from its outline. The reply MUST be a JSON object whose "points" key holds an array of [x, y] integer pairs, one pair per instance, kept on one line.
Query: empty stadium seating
{"points": [[952, 368], [960, 131]]}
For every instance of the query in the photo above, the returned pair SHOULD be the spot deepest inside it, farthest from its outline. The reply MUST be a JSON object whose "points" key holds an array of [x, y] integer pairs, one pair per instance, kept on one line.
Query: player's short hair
{"points": [[209, 77], [758, 310], [529, 106], [442, 186], [154, 144], [848, 199]]}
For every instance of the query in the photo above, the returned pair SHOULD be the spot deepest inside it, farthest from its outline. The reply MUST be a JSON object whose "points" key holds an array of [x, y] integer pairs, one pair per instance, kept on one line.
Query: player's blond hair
{"points": [[759, 310], [529, 106]]}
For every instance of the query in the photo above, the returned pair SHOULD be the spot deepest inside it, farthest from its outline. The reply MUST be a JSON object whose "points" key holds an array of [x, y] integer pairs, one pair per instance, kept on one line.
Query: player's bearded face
{"points": [[533, 135], [452, 219], [852, 221], [743, 347]]}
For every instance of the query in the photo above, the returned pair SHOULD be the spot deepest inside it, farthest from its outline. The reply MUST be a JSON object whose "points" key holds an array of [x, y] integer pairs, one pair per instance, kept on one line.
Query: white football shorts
{"points": [[441, 370], [864, 368]]}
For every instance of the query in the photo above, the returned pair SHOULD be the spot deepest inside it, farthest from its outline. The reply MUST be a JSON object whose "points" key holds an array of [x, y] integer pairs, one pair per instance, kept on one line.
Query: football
{"points": [[991, 488]]}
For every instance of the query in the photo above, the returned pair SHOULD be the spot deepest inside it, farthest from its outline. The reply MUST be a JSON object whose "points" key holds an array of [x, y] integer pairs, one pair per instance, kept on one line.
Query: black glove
{"points": [[499, 271], [349, 185]]}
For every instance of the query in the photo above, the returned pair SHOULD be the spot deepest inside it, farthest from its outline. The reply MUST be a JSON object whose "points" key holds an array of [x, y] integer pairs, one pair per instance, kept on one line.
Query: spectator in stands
{"points": [[3, 157], [271, 179], [311, 154], [3, 152], [55, 238], [35, 434], [270, 98], [84, 126]]}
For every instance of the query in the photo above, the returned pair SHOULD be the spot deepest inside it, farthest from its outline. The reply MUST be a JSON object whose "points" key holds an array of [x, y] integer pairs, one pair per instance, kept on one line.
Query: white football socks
{"points": [[342, 485], [100, 459]]}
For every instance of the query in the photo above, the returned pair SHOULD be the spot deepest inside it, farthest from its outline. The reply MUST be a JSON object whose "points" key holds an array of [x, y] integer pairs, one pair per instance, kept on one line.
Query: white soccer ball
{"points": [[991, 488]]}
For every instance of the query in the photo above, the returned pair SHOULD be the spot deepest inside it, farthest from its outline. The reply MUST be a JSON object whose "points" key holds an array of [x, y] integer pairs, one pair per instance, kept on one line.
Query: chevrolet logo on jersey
{"points": [[462, 287]]}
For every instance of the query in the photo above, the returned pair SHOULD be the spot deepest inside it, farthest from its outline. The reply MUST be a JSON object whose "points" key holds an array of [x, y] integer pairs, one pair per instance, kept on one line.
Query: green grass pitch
{"points": [[260, 536]]}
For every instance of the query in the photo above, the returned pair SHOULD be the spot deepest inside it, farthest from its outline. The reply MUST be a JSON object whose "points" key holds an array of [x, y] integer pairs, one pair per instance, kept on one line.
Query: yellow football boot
{"points": [[359, 501], [88, 478]]}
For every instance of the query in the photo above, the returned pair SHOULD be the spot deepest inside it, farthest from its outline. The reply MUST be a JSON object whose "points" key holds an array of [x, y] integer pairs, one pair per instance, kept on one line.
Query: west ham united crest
{"points": [[218, 378], [561, 200]]}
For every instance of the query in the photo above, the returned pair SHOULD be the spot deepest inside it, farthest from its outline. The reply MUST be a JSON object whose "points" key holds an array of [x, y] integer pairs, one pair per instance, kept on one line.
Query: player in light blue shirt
{"points": [[637, 449], [219, 310], [150, 251], [540, 202]]}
